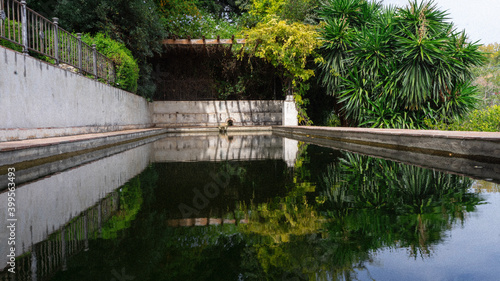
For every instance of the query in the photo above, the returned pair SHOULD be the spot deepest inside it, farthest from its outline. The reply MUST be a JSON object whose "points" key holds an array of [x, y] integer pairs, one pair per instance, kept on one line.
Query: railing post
{"points": [[24, 26], [99, 218], [34, 263], [94, 50], [113, 74], [56, 39], [86, 232], [63, 249], [79, 36]]}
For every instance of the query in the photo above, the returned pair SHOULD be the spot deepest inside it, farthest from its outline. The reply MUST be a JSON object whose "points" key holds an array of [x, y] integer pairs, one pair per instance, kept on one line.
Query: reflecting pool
{"points": [[252, 207]]}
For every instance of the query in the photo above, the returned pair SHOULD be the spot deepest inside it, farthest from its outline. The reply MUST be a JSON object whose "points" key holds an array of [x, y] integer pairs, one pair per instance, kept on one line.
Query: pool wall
{"points": [[217, 113], [40, 100]]}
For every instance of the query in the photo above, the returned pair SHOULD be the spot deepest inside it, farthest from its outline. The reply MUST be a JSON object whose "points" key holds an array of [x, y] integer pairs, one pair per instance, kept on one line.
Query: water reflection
{"points": [[332, 216]]}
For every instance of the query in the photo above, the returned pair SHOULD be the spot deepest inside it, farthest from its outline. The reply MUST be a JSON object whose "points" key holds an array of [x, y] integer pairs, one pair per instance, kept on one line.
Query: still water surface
{"points": [[259, 208]]}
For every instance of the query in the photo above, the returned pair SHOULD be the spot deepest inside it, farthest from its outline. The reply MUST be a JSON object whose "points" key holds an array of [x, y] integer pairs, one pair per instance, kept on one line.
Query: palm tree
{"points": [[396, 67]]}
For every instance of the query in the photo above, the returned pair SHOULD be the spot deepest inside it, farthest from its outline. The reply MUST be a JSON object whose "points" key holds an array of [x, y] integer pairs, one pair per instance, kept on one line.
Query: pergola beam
{"points": [[202, 41]]}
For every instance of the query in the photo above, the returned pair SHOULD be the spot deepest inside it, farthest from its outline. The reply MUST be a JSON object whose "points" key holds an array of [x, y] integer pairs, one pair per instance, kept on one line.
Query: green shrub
{"points": [[127, 70], [484, 120], [14, 33]]}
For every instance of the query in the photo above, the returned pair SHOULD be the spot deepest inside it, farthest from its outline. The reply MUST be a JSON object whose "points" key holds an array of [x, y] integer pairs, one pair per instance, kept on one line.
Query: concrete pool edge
{"points": [[431, 150], [26, 150], [474, 145]]}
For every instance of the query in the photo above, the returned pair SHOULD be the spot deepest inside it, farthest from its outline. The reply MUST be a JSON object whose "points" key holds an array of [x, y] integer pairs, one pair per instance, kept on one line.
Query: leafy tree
{"points": [[136, 23], [290, 10], [487, 76], [288, 47], [391, 67]]}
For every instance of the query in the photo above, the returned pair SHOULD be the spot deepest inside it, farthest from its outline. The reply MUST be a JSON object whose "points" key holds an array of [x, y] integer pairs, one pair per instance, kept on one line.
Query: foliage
{"points": [[135, 23], [14, 29], [484, 120], [196, 26], [407, 206], [127, 70], [488, 76], [187, 18], [288, 47], [289, 10], [392, 67], [130, 204]]}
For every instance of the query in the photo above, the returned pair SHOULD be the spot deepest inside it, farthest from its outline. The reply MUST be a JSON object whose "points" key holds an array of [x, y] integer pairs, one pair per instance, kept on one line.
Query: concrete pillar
{"points": [[290, 112]]}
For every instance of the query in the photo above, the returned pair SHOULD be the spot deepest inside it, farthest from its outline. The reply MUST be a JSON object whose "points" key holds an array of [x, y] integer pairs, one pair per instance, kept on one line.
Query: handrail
{"points": [[24, 27]]}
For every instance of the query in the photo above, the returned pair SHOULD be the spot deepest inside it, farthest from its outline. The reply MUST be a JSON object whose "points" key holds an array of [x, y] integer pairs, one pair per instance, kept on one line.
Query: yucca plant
{"points": [[391, 67]]}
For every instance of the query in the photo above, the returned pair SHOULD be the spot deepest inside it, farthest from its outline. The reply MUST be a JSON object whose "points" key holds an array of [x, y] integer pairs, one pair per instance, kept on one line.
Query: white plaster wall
{"points": [[38, 100], [216, 113]]}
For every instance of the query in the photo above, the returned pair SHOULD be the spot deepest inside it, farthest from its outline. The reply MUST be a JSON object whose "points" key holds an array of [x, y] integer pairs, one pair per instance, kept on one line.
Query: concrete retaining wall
{"points": [[39, 100], [216, 113]]}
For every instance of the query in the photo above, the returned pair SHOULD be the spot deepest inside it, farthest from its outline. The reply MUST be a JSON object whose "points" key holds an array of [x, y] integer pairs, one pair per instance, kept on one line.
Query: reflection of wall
{"points": [[33, 170], [51, 255], [44, 206], [218, 148]]}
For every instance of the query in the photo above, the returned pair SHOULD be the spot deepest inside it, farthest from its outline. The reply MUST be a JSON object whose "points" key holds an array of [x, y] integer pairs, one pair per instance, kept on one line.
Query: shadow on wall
{"points": [[218, 113]]}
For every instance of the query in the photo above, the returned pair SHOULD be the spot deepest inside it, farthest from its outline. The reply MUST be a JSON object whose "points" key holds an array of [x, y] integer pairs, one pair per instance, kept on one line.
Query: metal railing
{"points": [[26, 28]]}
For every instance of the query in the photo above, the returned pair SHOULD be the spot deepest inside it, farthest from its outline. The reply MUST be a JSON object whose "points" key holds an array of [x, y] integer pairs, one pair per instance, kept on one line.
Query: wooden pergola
{"points": [[203, 41]]}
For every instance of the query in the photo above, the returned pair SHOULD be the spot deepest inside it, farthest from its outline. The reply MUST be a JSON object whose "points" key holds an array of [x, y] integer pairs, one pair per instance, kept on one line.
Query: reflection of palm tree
{"points": [[402, 203]]}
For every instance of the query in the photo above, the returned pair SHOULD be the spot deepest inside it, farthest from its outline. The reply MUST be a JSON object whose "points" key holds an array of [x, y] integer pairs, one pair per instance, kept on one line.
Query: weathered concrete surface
{"points": [[474, 154], [39, 100], [32, 170], [217, 113], [461, 144], [233, 130], [29, 150], [45, 205]]}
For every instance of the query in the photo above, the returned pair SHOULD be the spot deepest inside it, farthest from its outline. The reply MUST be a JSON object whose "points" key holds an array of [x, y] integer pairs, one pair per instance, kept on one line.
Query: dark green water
{"points": [[333, 216]]}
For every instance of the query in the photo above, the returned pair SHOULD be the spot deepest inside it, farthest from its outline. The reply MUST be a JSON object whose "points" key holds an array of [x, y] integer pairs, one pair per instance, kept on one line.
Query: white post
{"points": [[56, 40], [94, 51], [24, 27], [79, 37], [290, 112]]}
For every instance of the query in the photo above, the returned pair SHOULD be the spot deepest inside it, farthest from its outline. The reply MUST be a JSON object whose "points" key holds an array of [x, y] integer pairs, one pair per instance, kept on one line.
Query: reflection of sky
{"points": [[470, 252]]}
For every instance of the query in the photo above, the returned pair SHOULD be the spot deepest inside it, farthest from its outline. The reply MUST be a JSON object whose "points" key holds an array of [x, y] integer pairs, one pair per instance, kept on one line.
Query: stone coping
{"points": [[27, 150], [30, 143], [451, 143]]}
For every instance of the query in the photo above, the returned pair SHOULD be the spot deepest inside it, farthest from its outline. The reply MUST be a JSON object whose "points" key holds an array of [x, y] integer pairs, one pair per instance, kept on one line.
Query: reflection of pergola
{"points": [[204, 222]]}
